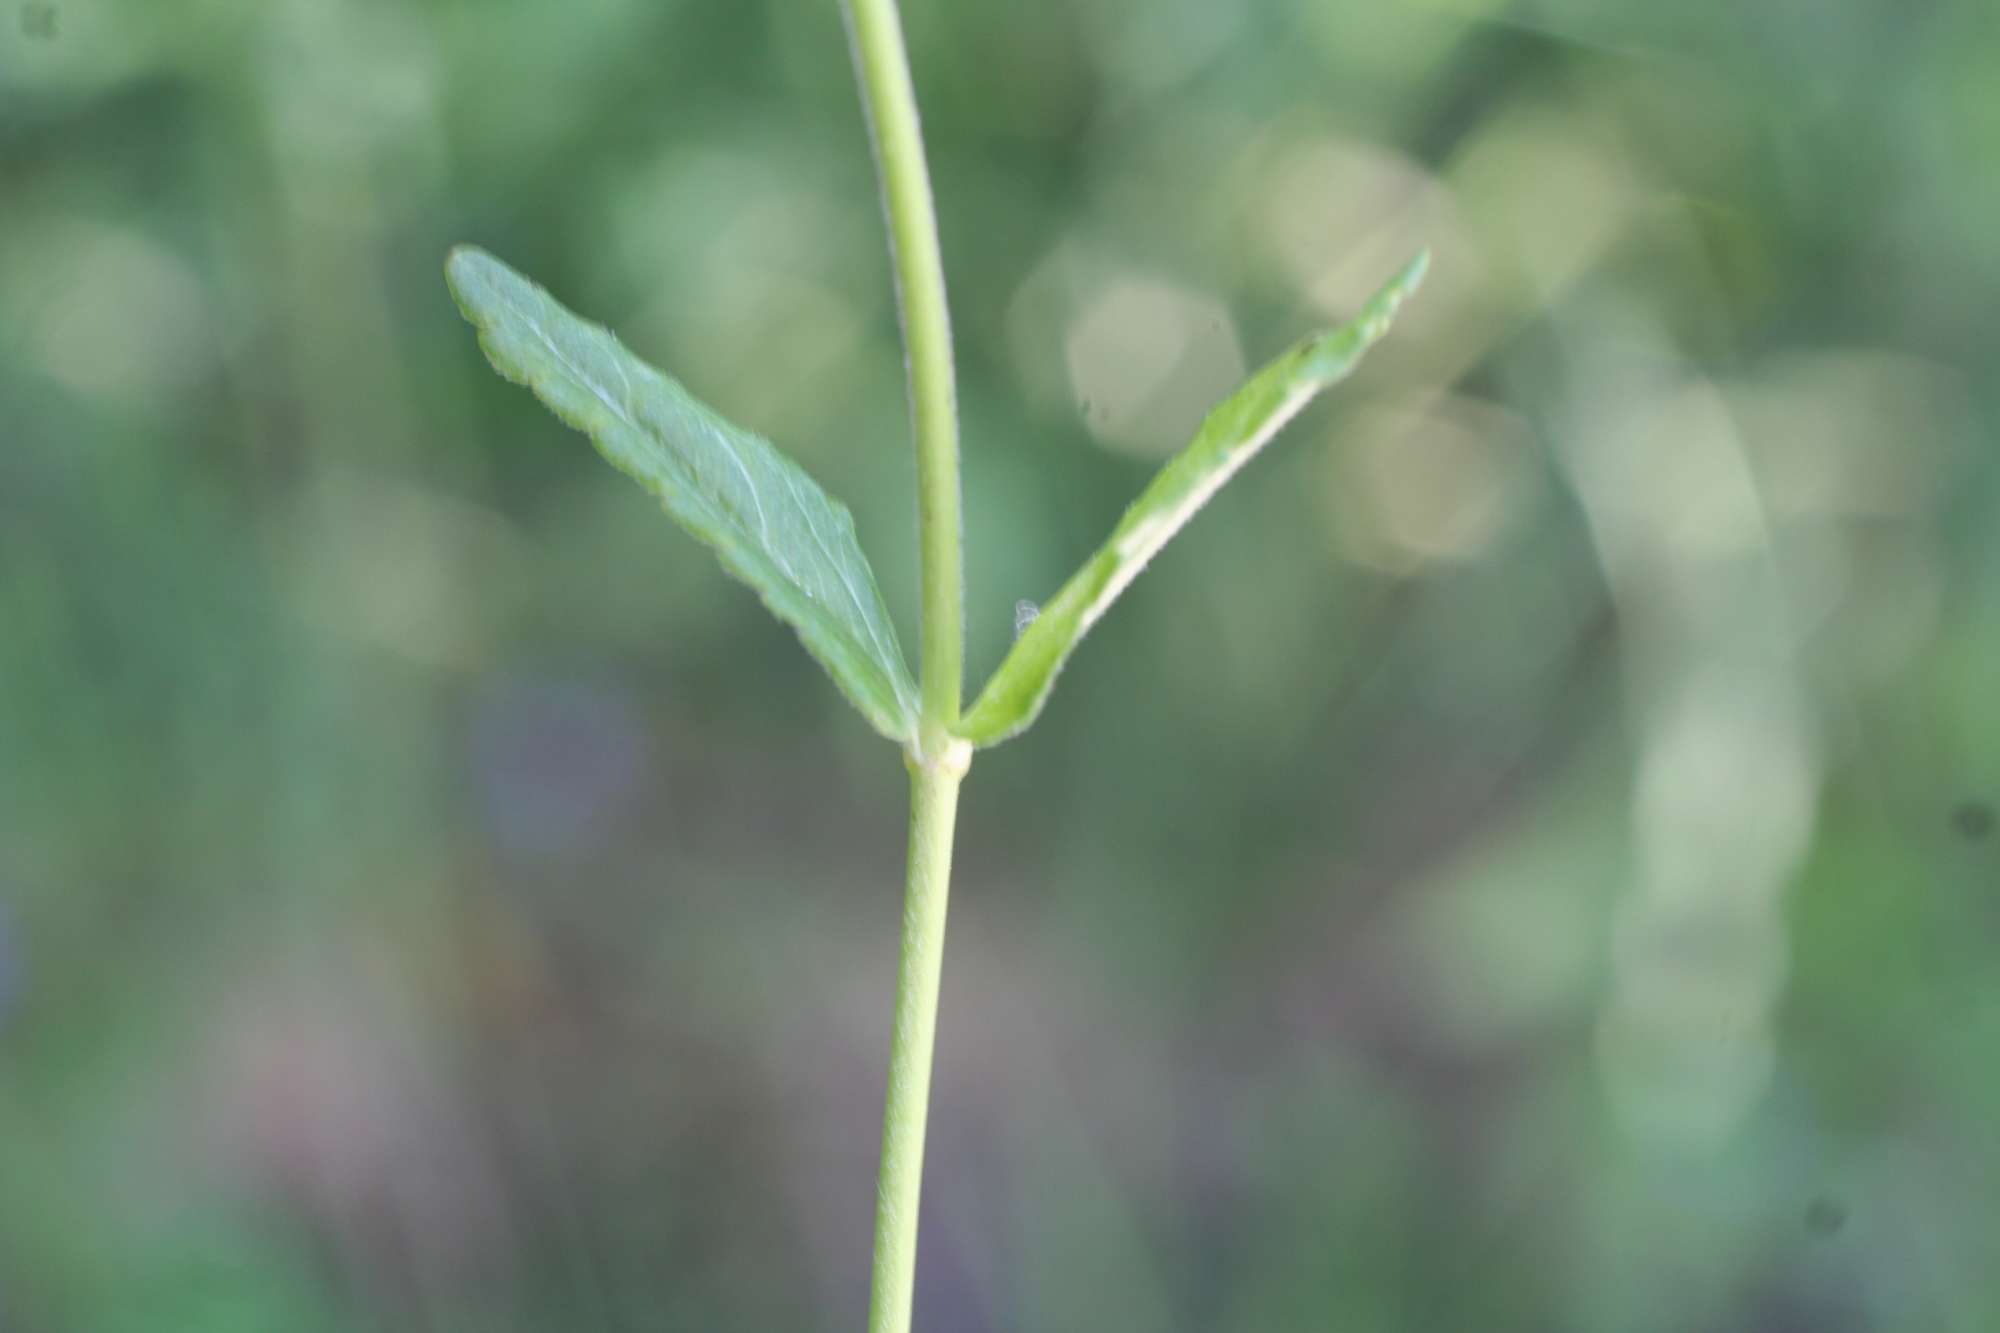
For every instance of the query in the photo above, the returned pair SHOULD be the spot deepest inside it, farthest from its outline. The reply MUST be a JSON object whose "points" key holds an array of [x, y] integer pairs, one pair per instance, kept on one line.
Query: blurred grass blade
{"points": [[1229, 438], [769, 522]]}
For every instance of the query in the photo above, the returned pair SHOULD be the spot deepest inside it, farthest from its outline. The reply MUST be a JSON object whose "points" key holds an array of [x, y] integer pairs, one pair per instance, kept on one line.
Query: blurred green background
{"points": [[1523, 860]]}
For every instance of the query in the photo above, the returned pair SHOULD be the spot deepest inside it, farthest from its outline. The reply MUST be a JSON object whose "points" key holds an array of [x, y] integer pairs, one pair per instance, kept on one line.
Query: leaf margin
{"points": [[894, 710], [1019, 688]]}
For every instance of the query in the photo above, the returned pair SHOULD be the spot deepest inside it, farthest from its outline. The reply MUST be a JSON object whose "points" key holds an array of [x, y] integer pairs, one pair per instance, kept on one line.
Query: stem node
{"points": [[937, 759]]}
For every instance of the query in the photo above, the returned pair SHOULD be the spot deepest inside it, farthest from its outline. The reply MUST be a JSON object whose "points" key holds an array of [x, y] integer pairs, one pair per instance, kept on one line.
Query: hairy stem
{"points": [[937, 759], [883, 65], [933, 811]]}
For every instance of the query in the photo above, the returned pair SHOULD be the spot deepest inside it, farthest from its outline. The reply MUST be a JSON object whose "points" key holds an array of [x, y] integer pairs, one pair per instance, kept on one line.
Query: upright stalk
{"points": [[883, 65], [937, 759], [933, 811]]}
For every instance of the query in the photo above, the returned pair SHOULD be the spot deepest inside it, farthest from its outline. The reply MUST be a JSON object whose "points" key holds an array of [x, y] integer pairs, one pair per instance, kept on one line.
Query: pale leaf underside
{"points": [[1229, 438]]}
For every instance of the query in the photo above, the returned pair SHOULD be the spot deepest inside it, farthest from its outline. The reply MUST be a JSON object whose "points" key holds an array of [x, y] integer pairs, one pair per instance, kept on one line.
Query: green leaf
{"points": [[770, 523], [1229, 438]]}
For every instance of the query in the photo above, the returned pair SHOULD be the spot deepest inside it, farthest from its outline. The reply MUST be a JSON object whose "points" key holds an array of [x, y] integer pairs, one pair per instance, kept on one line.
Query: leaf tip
{"points": [[1372, 324], [1381, 310], [462, 265], [1406, 282]]}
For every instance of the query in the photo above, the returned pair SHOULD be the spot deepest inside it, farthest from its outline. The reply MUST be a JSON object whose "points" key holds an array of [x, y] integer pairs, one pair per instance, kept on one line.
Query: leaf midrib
{"points": [[762, 542]]}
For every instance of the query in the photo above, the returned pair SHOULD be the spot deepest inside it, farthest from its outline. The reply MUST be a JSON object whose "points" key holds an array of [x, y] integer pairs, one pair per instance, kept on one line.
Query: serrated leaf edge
{"points": [[703, 525]]}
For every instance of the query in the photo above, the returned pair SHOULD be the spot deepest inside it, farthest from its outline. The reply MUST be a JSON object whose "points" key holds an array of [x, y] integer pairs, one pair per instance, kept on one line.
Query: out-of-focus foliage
{"points": [[430, 897]]}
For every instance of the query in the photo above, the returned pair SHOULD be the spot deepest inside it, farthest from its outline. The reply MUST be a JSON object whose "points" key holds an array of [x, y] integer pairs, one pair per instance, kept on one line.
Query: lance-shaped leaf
{"points": [[1229, 438], [770, 523]]}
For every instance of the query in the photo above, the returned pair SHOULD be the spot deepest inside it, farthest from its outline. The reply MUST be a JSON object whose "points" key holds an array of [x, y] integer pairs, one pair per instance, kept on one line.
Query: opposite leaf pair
{"points": [[774, 528]]}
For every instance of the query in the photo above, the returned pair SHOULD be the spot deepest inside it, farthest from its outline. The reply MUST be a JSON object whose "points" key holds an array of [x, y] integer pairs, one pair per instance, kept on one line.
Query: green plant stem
{"points": [[883, 65], [899, 1188], [937, 759]]}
